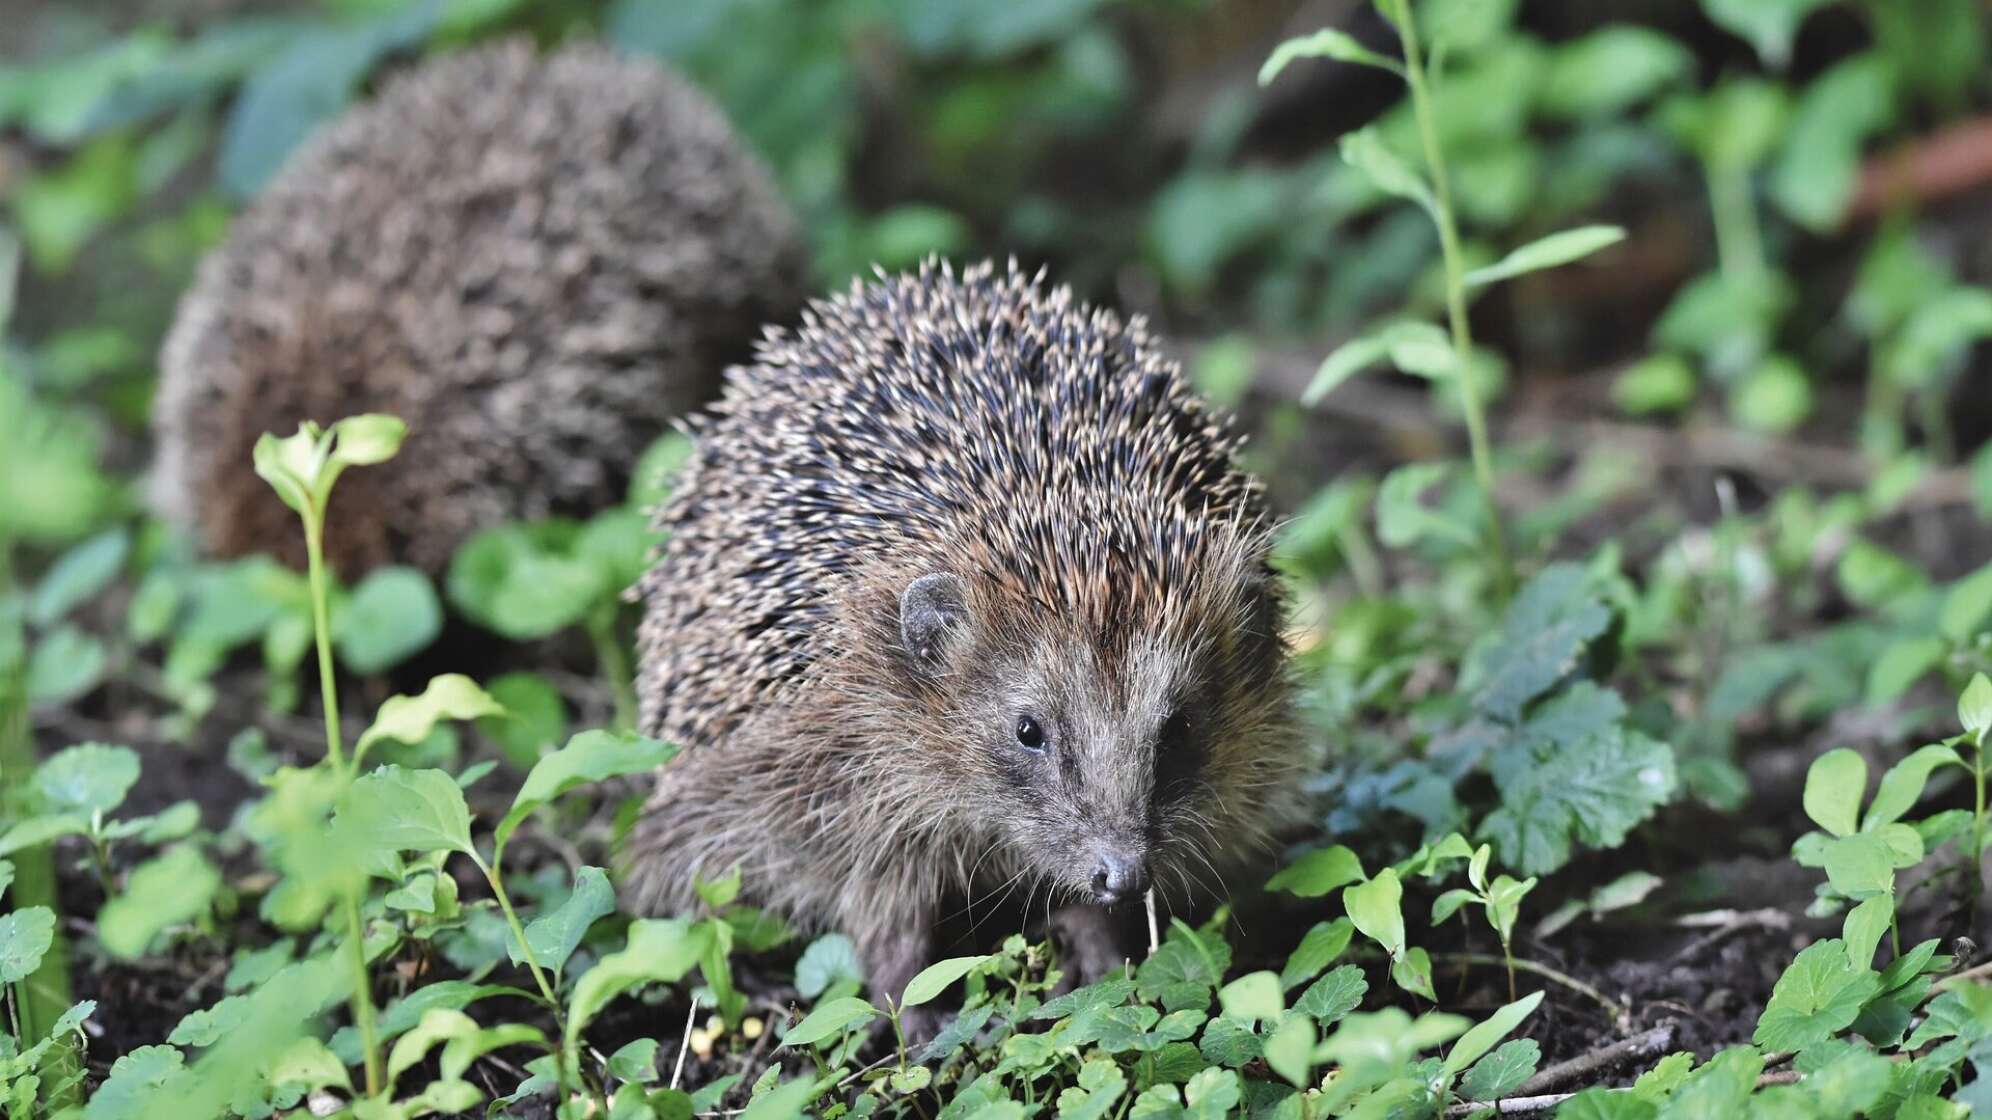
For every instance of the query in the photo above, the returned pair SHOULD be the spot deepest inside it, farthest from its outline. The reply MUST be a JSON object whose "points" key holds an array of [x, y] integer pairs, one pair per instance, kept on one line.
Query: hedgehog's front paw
{"points": [[1090, 944]]}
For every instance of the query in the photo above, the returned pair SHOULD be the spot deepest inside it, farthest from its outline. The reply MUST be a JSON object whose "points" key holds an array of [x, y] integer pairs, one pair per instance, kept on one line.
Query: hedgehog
{"points": [[536, 261], [964, 594]]}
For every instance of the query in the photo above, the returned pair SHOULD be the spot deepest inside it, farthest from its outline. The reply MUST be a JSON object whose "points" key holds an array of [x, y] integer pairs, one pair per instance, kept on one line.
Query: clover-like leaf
{"points": [[1818, 996], [86, 778]]}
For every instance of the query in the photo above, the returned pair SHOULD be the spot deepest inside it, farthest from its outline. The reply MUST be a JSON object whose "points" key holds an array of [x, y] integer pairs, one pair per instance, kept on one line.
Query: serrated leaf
{"points": [[1325, 43], [25, 935], [398, 810], [205, 1026], [1818, 996], [1500, 1073], [1229, 1042], [1575, 776], [1548, 252], [591, 756], [1551, 621], [87, 778], [1334, 995]]}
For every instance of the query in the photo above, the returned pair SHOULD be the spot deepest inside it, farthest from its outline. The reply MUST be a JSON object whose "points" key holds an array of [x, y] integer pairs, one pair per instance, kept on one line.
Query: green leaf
{"points": [[87, 778], [535, 719], [1289, 1051], [206, 1026], [659, 949], [165, 891], [1402, 520], [42, 829], [397, 810], [1316, 951], [785, 1102], [1967, 606], [1415, 347], [1254, 996], [1818, 996], [1502, 1072], [1661, 382], [64, 665], [635, 1061], [1767, 25], [1482, 1037], [1229, 1042], [1318, 872], [1334, 995], [1548, 252], [1448, 904], [1974, 706], [1608, 71], [1902, 663], [367, 439], [830, 959], [1902, 786], [438, 1025], [832, 1019], [1575, 774], [1325, 43], [1550, 623], [1776, 396], [1413, 973], [1365, 150], [411, 719], [591, 756], [554, 936], [1864, 926], [525, 581], [25, 936], [935, 978], [80, 574], [1374, 906], [1834, 784], [393, 613], [1629, 889]]}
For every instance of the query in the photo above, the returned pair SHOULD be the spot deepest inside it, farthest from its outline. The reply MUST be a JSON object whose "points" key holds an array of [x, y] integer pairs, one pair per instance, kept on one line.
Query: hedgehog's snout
{"points": [[1120, 873]]}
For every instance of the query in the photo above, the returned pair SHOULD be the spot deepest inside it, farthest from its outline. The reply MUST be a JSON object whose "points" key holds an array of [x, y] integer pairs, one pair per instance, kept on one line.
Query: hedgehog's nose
{"points": [[1119, 875]]}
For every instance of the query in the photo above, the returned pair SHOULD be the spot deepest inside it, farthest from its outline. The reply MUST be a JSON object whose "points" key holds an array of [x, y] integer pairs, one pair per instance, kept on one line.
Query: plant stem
{"points": [[44, 995], [1739, 247], [363, 1009], [601, 626], [1618, 1012], [1976, 878], [322, 629], [1462, 338]]}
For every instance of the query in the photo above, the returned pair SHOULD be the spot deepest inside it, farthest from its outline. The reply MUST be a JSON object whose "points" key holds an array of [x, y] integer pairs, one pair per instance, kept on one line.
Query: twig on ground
{"points": [[1584, 1066], [1738, 920], [685, 1043], [1972, 973], [1775, 919], [1621, 1015]]}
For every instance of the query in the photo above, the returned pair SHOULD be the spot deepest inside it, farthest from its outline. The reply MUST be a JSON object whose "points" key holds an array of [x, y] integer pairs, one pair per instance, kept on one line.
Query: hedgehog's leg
{"points": [[894, 949], [1090, 940]]}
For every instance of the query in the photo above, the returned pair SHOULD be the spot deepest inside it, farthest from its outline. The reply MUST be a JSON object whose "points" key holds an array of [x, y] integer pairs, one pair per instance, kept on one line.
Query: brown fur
{"points": [[1113, 562]]}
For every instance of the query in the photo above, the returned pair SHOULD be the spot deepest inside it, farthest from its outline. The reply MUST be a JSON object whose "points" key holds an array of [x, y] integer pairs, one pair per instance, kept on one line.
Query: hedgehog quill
{"points": [[964, 596]]}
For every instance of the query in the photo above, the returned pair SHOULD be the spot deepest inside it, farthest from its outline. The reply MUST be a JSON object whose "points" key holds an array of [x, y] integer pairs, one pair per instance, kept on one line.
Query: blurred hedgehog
{"points": [[537, 262], [963, 594]]}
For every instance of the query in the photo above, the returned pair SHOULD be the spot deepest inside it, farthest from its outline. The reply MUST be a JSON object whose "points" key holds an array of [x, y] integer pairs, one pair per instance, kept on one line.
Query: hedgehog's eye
{"points": [[1175, 734], [1029, 735]]}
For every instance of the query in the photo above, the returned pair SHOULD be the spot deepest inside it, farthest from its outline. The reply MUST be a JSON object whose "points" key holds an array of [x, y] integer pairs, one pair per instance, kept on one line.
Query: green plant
{"points": [[1501, 898], [1412, 346]]}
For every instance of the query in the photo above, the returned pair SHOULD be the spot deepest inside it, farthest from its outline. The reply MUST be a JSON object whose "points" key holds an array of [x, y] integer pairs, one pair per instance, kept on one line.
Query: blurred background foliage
{"points": [[1796, 177]]}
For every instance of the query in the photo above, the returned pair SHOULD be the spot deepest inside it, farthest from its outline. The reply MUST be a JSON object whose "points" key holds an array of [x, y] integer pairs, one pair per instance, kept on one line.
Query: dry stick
{"points": [[1972, 973], [1154, 936], [1620, 1014], [1643, 1045], [685, 1043], [1524, 1106]]}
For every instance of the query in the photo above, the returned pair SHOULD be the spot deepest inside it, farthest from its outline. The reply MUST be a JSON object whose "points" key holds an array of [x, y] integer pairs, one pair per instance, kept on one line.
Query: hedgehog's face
{"points": [[1093, 772]]}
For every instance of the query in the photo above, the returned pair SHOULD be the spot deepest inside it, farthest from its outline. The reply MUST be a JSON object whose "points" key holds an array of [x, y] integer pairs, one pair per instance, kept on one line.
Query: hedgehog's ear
{"points": [[931, 609]]}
